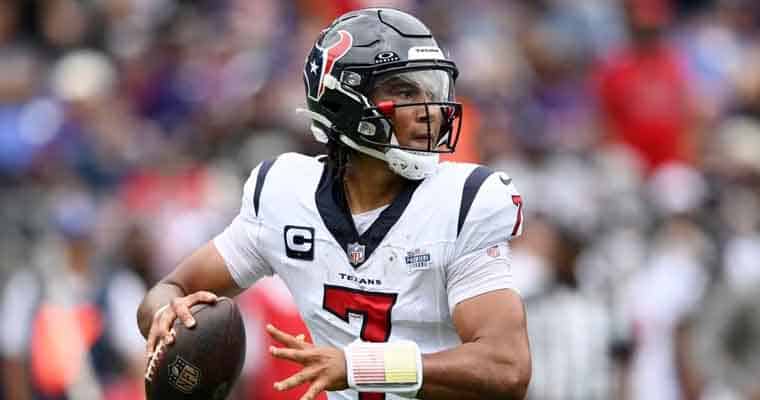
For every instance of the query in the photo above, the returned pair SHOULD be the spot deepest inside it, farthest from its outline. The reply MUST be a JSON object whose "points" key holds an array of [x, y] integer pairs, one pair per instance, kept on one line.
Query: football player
{"points": [[399, 264]]}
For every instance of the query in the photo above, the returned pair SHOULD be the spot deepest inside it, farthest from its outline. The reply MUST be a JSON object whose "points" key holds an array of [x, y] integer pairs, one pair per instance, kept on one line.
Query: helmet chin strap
{"points": [[410, 165]]}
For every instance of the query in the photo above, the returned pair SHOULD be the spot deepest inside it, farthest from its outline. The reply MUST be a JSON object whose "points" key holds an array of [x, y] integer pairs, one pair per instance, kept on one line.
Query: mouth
{"points": [[421, 137], [421, 141]]}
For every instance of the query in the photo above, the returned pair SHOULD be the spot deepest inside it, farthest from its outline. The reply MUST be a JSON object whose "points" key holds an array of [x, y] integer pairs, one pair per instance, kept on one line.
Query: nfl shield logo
{"points": [[355, 253], [183, 375]]}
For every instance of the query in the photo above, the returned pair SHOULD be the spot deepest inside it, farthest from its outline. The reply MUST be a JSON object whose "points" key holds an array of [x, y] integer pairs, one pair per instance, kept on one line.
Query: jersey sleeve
{"points": [[478, 272], [494, 216], [239, 243], [482, 261]]}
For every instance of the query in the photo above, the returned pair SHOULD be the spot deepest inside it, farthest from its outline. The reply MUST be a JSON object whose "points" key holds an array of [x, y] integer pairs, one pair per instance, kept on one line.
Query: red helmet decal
{"points": [[321, 62]]}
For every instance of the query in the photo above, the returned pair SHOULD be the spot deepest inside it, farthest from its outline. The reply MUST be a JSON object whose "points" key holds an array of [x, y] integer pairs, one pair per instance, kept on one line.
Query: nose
{"points": [[423, 114]]}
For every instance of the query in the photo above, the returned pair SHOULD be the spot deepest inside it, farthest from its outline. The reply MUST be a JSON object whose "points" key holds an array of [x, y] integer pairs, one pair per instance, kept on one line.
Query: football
{"points": [[204, 361]]}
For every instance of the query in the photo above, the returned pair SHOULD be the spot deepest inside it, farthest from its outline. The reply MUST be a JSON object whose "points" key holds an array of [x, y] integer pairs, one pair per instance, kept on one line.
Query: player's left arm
{"points": [[493, 360]]}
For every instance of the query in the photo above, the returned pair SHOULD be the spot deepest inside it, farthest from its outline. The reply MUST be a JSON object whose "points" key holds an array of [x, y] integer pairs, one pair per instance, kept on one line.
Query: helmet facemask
{"points": [[426, 97], [429, 94]]}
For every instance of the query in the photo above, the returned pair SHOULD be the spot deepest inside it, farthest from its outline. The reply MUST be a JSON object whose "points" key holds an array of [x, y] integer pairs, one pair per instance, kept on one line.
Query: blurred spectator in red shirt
{"points": [[644, 90]]}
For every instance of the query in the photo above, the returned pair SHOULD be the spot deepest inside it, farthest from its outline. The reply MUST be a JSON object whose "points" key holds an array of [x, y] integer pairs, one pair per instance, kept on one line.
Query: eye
{"points": [[406, 93]]}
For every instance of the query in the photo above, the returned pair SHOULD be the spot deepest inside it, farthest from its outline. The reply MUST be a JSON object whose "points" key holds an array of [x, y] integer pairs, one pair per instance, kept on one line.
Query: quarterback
{"points": [[399, 264]]}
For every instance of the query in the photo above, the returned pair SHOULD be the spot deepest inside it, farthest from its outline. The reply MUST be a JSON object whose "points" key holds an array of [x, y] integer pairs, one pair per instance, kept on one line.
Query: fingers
{"points": [[323, 366], [286, 339], [181, 306], [164, 325], [155, 353], [297, 355], [169, 337], [305, 375], [314, 390], [157, 342], [149, 350], [151, 343], [160, 329], [182, 310]]}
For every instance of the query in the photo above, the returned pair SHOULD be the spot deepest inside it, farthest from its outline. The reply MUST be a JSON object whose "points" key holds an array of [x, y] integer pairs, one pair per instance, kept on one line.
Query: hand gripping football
{"points": [[204, 361]]}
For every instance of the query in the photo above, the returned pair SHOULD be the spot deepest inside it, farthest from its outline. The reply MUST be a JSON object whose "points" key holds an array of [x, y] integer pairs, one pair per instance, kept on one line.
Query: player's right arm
{"points": [[200, 278], [224, 266]]}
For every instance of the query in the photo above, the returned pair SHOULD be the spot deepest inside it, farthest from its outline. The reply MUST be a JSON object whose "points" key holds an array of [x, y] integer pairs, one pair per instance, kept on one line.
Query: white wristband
{"points": [[393, 367]]}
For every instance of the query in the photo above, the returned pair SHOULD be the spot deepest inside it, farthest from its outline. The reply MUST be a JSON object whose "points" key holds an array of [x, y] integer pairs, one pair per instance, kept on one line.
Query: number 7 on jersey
{"points": [[375, 307]]}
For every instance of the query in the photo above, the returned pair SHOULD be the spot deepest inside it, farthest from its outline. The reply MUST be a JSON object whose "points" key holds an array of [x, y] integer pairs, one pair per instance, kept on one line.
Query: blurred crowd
{"points": [[631, 127]]}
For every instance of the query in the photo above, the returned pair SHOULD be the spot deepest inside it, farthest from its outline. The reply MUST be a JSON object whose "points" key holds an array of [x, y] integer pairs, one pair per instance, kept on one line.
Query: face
{"points": [[419, 126]]}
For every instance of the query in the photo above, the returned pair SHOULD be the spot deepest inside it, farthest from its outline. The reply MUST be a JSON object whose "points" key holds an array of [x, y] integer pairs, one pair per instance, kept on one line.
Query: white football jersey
{"points": [[441, 241]]}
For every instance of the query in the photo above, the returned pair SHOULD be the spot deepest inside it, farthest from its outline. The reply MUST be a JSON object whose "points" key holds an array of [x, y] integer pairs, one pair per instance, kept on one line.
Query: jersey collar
{"points": [[333, 208]]}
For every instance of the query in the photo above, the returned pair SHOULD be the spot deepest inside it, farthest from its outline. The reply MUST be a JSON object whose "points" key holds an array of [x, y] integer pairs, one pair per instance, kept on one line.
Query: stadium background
{"points": [[631, 127]]}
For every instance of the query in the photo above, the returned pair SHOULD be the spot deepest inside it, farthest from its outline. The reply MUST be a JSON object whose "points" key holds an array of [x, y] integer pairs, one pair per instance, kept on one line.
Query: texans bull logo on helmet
{"points": [[321, 61]]}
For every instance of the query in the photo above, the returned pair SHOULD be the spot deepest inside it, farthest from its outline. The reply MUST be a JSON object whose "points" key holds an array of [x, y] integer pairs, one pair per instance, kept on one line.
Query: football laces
{"points": [[155, 358]]}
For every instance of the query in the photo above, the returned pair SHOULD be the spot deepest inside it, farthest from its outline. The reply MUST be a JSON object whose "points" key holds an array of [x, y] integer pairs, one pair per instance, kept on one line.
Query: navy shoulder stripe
{"points": [[470, 189], [263, 171]]}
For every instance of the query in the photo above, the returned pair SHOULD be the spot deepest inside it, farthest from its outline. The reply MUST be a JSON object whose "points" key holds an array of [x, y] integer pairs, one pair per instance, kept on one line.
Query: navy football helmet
{"points": [[362, 51]]}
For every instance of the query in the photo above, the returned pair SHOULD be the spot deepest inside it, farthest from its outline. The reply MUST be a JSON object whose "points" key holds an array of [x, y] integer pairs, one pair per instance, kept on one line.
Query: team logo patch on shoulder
{"points": [[183, 375], [417, 260]]}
